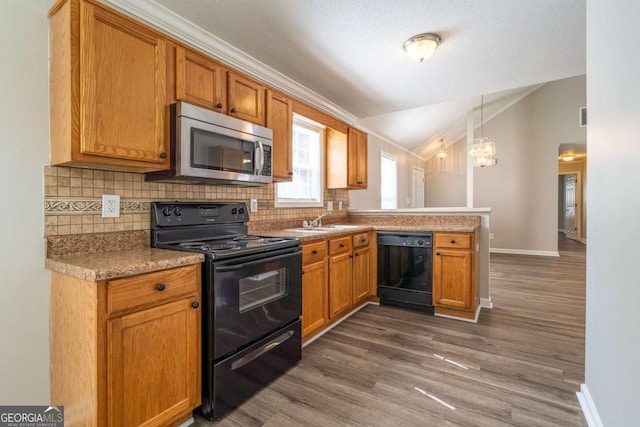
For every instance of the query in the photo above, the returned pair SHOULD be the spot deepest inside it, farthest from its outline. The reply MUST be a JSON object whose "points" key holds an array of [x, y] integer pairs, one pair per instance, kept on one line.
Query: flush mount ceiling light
{"points": [[442, 154], [422, 46], [483, 150], [567, 157]]}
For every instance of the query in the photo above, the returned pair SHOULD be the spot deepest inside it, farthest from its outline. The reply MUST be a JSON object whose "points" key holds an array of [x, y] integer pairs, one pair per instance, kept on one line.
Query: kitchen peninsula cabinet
{"points": [[315, 307], [126, 351], [454, 275], [280, 120], [108, 90], [347, 159]]}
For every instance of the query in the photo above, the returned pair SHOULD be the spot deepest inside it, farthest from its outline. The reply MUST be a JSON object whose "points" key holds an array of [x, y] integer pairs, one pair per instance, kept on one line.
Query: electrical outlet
{"points": [[254, 205], [490, 236], [340, 205], [329, 206], [110, 206]]}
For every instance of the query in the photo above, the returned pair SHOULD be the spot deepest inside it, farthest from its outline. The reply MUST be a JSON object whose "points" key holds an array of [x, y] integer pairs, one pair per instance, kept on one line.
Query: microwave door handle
{"points": [[260, 149]]}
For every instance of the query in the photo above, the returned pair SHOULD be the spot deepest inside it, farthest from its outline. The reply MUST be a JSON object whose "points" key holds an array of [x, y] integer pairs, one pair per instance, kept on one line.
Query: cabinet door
{"points": [[155, 350], [199, 80], [357, 159], [280, 120], [246, 99], [339, 284], [314, 297], [122, 88], [452, 272], [361, 276]]}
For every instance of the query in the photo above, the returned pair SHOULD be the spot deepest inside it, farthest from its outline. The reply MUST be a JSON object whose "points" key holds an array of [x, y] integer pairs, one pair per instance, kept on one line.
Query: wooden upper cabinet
{"points": [[200, 80], [108, 93], [357, 159], [280, 120], [346, 159], [246, 98]]}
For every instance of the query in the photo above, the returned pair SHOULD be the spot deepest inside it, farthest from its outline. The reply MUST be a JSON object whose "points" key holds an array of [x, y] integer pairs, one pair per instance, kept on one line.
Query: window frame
{"points": [[388, 156], [309, 124]]}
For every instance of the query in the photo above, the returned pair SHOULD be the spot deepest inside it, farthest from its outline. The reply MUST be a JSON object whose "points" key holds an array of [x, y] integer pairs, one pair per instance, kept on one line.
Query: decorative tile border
{"points": [[89, 206]]}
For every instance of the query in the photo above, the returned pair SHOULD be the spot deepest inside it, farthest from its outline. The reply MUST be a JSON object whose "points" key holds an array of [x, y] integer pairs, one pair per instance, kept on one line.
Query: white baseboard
{"points": [[588, 407], [523, 252], [187, 423], [562, 230], [583, 241], [486, 303], [474, 320], [338, 322]]}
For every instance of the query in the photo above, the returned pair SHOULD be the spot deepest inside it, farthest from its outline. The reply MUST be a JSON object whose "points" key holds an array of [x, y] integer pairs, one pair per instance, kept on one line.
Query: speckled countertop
{"points": [[309, 236], [110, 265]]}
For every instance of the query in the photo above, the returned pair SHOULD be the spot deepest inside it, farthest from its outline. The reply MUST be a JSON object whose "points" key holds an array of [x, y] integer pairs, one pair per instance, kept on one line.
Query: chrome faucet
{"points": [[315, 222]]}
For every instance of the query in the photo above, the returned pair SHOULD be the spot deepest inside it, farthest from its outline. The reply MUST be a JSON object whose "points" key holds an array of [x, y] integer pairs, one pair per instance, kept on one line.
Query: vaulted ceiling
{"points": [[350, 52]]}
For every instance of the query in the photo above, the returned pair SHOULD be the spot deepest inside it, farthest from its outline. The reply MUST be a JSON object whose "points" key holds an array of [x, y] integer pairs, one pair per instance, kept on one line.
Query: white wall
{"points": [[613, 284], [446, 180], [522, 188], [24, 120], [370, 198]]}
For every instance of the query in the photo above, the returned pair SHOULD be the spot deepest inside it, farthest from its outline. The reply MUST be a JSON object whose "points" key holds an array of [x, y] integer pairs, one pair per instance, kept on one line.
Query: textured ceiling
{"points": [[350, 51]]}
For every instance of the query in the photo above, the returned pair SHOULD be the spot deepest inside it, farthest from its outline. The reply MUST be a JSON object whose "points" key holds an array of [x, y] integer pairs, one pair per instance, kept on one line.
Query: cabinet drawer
{"points": [[337, 246], [314, 252], [148, 289], [453, 241], [361, 239]]}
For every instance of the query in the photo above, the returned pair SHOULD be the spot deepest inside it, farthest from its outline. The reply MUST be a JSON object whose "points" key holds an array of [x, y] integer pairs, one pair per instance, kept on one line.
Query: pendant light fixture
{"points": [[483, 150], [442, 154], [422, 46]]}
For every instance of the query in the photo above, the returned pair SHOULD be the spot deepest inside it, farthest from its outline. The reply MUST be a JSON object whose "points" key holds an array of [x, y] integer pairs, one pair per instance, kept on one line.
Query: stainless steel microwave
{"points": [[210, 147]]}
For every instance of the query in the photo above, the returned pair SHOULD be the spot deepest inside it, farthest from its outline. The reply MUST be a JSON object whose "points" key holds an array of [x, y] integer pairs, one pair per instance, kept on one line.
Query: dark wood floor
{"points": [[520, 365]]}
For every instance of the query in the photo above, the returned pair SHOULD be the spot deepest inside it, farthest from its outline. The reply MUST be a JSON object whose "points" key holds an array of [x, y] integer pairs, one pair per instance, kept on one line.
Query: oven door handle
{"points": [[235, 267], [261, 350]]}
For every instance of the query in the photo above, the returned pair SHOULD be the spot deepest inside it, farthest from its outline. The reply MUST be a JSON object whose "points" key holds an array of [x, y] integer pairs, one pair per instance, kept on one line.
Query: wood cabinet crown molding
{"points": [[179, 28]]}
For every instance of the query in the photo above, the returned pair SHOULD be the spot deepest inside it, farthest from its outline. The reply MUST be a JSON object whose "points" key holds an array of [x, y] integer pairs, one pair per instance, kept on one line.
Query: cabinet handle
{"points": [[233, 110], [452, 241], [303, 272], [219, 105], [315, 252], [357, 254], [290, 173], [195, 304], [350, 256], [359, 182], [161, 287], [437, 253], [163, 155], [342, 245], [363, 240]]}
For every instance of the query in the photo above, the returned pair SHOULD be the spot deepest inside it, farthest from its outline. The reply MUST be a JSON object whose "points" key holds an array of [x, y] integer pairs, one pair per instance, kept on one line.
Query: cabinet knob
{"points": [[342, 245], [195, 304], [163, 155], [219, 105], [233, 110], [161, 287], [363, 240], [315, 252], [359, 182], [290, 173], [437, 253], [357, 254], [452, 241], [350, 256]]}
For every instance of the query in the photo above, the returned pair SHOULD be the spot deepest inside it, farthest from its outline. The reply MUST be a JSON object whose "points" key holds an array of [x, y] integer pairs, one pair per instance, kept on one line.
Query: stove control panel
{"points": [[174, 214]]}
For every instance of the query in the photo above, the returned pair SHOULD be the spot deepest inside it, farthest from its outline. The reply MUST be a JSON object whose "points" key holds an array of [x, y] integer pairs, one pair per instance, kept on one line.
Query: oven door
{"points": [[253, 296]]}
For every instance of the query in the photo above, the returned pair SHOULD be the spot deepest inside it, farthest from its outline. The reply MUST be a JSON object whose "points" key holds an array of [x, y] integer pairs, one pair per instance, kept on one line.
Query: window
{"points": [[388, 182], [305, 190]]}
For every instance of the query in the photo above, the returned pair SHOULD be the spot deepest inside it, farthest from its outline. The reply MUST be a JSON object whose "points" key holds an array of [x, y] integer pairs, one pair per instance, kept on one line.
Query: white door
{"points": [[570, 207], [418, 188]]}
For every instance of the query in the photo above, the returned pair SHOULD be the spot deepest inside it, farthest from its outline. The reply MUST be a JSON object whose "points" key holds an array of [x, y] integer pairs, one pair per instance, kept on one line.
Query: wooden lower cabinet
{"points": [[119, 361], [454, 275], [314, 297], [340, 284], [361, 274]]}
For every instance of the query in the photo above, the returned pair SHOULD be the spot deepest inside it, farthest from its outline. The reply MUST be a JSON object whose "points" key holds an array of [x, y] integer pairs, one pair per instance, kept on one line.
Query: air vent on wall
{"points": [[583, 116]]}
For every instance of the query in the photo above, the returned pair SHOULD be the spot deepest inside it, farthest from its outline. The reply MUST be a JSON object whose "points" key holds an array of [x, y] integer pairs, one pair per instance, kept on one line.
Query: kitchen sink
{"points": [[324, 229]]}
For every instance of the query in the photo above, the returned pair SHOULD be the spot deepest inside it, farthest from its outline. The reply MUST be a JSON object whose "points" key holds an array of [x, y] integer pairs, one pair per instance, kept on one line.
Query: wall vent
{"points": [[582, 119]]}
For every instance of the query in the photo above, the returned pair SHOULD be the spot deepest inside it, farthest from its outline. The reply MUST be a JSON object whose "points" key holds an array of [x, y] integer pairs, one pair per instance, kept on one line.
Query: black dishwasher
{"points": [[405, 269]]}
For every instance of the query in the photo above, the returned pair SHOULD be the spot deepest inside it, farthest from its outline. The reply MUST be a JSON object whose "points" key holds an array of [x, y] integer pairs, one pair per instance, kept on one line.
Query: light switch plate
{"points": [[329, 206], [110, 206], [254, 205]]}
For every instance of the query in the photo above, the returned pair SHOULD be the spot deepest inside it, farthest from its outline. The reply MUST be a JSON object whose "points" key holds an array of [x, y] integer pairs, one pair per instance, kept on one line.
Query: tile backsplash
{"points": [[73, 200]]}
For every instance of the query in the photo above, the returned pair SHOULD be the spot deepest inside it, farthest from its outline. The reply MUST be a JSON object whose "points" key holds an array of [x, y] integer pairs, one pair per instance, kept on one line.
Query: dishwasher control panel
{"points": [[410, 239]]}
